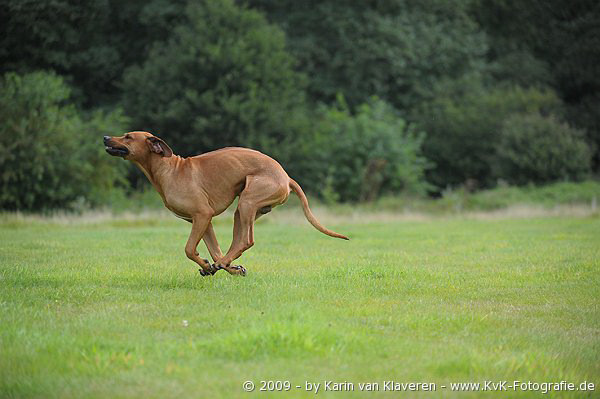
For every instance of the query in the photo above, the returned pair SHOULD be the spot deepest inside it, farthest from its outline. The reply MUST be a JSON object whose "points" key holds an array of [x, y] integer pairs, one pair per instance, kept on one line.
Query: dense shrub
{"points": [[463, 127], [49, 155], [541, 149], [363, 155]]}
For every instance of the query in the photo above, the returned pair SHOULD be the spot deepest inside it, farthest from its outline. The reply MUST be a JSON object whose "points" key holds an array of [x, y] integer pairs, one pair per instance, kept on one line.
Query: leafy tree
{"points": [[222, 78], [49, 155], [537, 149]]}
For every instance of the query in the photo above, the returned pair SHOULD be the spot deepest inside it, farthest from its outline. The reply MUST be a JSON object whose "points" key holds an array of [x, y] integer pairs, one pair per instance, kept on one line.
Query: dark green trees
{"points": [[554, 43], [222, 78], [470, 76], [394, 49]]}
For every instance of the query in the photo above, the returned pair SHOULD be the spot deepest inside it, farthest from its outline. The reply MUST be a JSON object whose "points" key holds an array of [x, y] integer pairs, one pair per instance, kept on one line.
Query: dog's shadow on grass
{"points": [[184, 280]]}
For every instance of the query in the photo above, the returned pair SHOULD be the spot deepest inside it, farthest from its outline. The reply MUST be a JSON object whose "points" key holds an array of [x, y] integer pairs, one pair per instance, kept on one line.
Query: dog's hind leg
{"points": [[258, 197], [240, 231]]}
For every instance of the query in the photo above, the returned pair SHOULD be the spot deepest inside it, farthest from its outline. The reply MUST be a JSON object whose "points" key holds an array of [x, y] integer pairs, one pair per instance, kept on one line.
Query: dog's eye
{"points": [[127, 137]]}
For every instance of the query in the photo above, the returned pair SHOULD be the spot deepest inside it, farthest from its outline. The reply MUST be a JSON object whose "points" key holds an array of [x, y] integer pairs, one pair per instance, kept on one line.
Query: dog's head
{"points": [[136, 146]]}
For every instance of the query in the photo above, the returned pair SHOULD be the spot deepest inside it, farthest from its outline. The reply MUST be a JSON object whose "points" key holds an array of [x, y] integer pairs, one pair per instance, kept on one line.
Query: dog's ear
{"points": [[158, 146]]}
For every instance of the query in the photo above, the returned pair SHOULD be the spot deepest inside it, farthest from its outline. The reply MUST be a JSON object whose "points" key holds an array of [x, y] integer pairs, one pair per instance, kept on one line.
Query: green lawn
{"points": [[98, 310]]}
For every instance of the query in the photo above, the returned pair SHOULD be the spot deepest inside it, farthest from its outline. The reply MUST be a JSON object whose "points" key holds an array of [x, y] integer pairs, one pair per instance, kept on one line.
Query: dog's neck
{"points": [[159, 170]]}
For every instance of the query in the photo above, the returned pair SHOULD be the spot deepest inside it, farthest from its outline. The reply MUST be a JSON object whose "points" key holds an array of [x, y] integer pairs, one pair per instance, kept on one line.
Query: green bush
{"points": [[50, 156], [365, 155], [541, 149]]}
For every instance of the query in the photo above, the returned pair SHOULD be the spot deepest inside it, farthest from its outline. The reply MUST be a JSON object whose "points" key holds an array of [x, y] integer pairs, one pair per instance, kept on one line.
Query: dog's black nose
{"points": [[106, 138]]}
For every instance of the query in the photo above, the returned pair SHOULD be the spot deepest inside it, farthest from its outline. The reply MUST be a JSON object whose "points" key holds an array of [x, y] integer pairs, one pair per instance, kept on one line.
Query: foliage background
{"points": [[356, 99]]}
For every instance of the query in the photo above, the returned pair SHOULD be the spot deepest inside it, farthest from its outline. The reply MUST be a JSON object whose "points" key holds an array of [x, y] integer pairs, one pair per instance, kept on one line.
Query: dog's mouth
{"points": [[117, 151]]}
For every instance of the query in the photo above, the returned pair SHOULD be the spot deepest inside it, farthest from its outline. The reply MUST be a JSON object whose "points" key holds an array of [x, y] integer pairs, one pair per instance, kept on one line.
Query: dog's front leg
{"points": [[210, 239], [200, 223]]}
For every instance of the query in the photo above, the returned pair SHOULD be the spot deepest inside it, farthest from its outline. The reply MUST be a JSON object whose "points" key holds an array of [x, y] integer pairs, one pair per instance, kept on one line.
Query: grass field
{"points": [[113, 308]]}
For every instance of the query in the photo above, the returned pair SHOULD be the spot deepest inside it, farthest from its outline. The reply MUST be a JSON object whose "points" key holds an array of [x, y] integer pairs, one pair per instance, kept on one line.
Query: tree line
{"points": [[355, 99]]}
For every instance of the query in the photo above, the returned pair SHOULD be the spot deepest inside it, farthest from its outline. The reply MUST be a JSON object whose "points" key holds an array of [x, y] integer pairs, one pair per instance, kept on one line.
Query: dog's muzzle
{"points": [[112, 149]]}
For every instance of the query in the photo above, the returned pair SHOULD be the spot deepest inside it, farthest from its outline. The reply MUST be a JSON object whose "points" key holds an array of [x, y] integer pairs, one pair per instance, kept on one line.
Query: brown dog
{"points": [[198, 188]]}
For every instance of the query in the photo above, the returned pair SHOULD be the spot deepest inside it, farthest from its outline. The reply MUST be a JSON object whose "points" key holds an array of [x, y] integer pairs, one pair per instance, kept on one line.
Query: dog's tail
{"points": [[309, 215]]}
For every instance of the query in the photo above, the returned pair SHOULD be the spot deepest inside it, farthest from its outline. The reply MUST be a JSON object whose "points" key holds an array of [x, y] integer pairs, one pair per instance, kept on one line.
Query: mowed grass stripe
{"points": [[97, 310]]}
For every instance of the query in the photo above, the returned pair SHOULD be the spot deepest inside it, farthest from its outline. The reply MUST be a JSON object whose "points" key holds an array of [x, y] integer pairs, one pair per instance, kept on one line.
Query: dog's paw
{"points": [[212, 269], [205, 273], [238, 269]]}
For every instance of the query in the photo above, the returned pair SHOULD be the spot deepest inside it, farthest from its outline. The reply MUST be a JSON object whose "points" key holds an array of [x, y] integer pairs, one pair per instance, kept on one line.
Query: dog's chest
{"points": [[180, 206], [186, 218], [178, 212]]}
